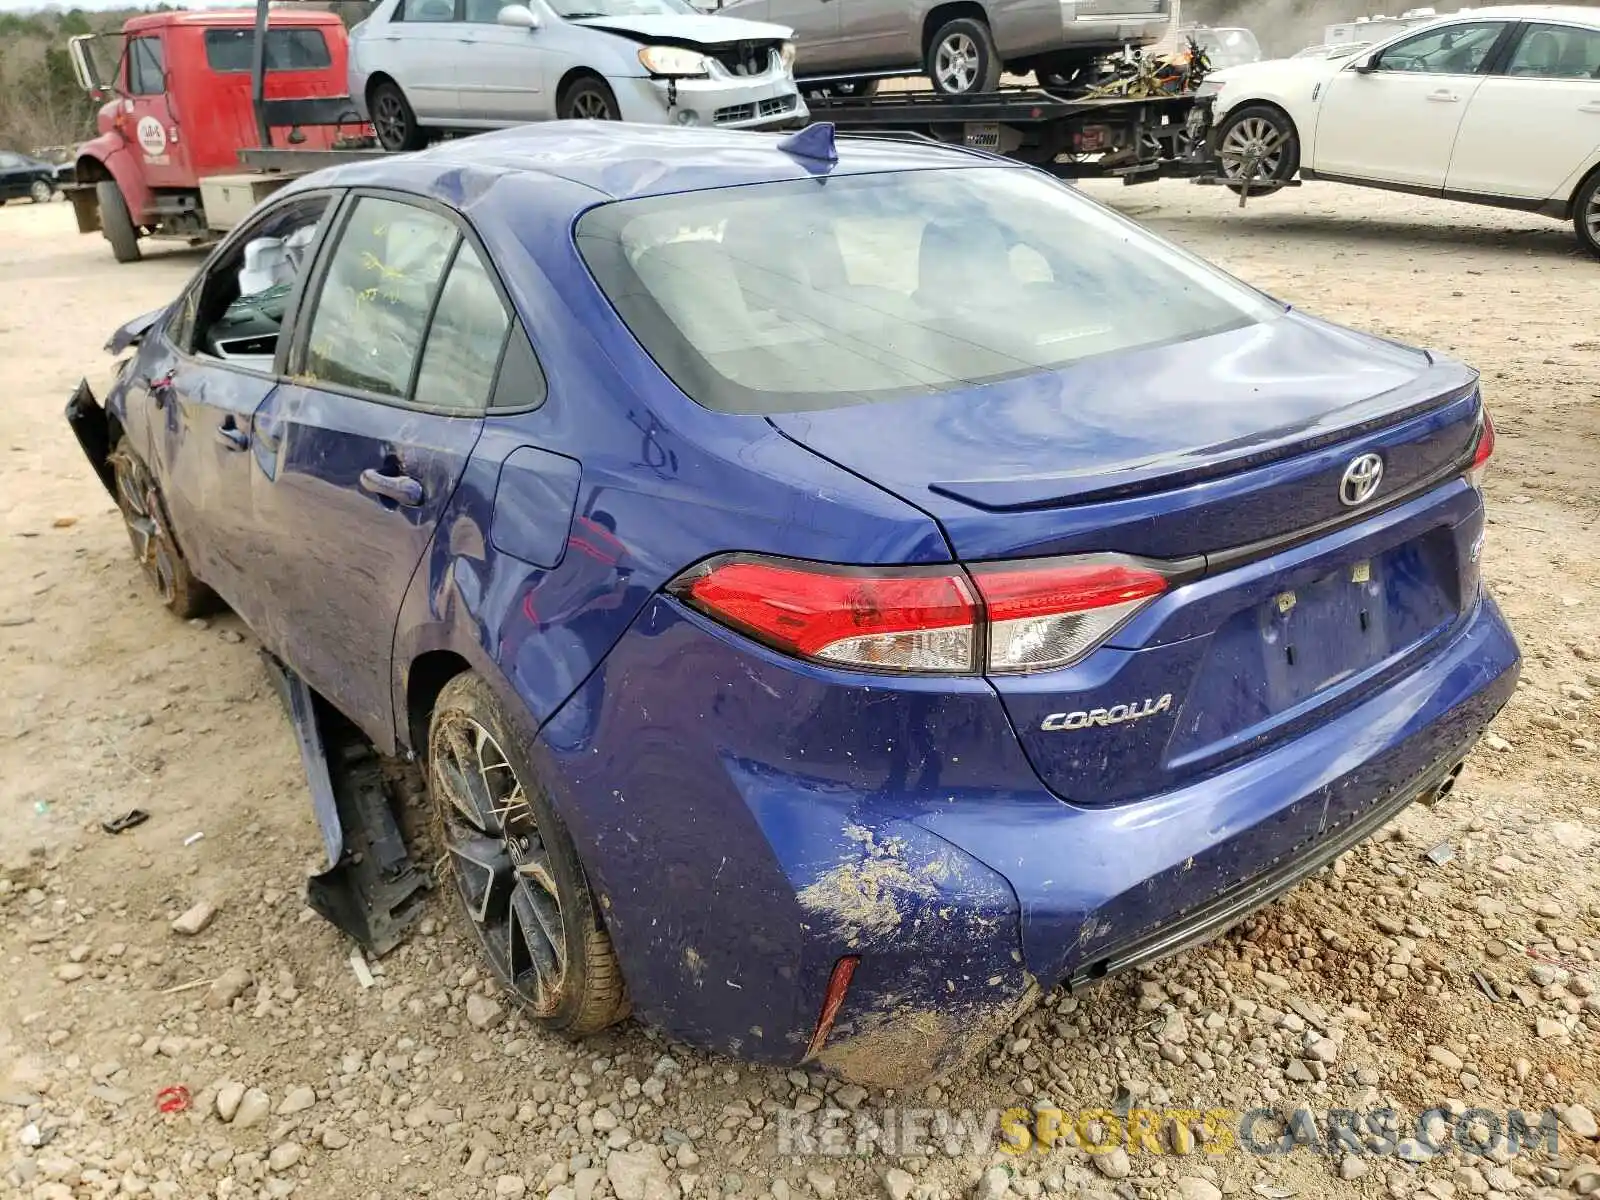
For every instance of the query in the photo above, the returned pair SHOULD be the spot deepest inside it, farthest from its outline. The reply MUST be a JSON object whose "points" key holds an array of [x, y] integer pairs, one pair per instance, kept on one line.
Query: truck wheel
{"points": [[1586, 214], [1260, 141], [116, 222], [392, 119], [150, 534], [40, 192], [588, 99], [523, 890], [962, 58]]}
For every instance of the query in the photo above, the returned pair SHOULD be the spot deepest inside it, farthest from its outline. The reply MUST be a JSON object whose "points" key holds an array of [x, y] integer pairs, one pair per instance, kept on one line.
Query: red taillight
{"points": [[884, 620], [1031, 616], [1482, 452], [1043, 617]]}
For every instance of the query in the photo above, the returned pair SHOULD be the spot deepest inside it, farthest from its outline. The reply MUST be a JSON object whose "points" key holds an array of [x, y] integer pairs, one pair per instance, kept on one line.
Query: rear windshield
{"points": [[287, 49], [857, 289]]}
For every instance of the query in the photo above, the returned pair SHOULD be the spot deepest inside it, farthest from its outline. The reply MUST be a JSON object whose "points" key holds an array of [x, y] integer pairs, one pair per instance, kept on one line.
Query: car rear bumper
{"points": [[769, 102], [750, 821]]}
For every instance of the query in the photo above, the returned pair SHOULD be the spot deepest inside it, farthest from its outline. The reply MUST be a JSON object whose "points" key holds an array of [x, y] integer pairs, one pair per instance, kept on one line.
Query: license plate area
{"points": [[1274, 657]]}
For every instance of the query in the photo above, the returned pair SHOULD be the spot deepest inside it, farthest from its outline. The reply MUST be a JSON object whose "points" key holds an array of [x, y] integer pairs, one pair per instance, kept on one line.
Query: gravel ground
{"points": [[1359, 990]]}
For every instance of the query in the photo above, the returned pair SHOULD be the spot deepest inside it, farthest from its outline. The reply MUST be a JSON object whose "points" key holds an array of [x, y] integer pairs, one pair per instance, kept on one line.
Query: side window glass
{"points": [[1454, 50], [9, 161], [147, 67], [240, 308], [373, 308], [426, 11], [465, 339], [1557, 52], [180, 326], [483, 12]]}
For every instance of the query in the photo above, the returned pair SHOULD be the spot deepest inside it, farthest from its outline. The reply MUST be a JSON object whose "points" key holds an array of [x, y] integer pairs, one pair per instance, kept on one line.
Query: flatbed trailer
{"points": [[1134, 138]]}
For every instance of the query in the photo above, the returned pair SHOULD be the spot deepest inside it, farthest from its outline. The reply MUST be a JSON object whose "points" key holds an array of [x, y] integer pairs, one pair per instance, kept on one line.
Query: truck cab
{"points": [[178, 108]]}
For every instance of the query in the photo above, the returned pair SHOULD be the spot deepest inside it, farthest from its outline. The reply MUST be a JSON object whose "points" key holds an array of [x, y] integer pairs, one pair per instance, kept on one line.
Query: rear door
{"points": [[420, 47], [1530, 128], [507, 81], [360, 453], [1397, 123]]}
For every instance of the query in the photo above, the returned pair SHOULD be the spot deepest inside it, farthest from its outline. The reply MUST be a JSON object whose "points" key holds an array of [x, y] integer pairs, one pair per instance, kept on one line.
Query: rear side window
{"points": [[376, 297], [892, 284], [230, 50], [425, 10], [147, 67], [1557, 52], [465, 339]]}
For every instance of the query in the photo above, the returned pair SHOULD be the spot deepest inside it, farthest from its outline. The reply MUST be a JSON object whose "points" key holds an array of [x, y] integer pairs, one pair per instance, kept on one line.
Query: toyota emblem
{"points": [[1361, 479]]}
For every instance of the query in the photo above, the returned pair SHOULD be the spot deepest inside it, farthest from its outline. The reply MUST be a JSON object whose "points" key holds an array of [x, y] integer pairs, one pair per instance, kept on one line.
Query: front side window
{"points": [[9, 162], [483, 12], [233, 50], [147, 68], [892, 284], [1453, 50], [1557, 52], [372, 311]]}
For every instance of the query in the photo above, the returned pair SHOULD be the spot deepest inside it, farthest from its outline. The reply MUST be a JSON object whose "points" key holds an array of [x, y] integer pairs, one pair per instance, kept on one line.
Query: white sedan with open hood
{"points": [[425, 66], [1497, 106]]}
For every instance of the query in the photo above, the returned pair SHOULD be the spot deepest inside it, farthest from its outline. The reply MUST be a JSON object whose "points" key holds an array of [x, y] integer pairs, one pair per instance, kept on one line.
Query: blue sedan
{"points": [[834, 590]]}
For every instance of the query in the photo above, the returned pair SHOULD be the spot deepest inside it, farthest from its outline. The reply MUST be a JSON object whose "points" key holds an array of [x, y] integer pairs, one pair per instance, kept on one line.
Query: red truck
{"points": [[185, 92]]}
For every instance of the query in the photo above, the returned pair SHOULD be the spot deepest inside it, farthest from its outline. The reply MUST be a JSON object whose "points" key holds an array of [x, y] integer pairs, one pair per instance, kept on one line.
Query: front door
{"points": [[148, 119], [1529, 130], [359, 455], [1397, 123], [507, 80]]}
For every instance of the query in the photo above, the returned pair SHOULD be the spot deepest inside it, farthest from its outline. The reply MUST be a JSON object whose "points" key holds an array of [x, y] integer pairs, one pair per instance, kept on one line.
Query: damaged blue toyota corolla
{"points": [[833, 591]]}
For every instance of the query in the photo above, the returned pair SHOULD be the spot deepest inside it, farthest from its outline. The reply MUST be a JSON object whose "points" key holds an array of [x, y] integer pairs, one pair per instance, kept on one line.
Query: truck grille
{"points": [[745, 58], [774, 107]]}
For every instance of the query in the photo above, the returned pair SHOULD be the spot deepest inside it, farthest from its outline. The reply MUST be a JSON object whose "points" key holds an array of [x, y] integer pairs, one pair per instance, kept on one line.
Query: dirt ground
{"points": [[1357, 991]]}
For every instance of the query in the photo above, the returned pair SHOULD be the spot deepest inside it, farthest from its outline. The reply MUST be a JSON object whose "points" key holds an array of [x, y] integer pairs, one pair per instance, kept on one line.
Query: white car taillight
{"points": [[924, 620]]}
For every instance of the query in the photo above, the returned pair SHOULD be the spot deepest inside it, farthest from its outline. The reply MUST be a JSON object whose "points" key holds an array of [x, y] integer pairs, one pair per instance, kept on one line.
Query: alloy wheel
{"points": [[1591, 217], [139, 515], [590, 106], [389, 119], [1257, 137], [40, 192], [499, 859], [956, 63]]}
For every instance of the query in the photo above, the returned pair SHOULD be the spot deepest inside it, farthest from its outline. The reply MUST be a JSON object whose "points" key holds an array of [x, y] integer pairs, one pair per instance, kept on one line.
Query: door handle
{"points": [[232, 437], [402, 489], [1444, 97], [1592, 107]]}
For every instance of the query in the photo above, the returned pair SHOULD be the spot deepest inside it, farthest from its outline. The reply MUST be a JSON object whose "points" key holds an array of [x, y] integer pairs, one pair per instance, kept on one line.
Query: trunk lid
{"points": [[1227, 454]]}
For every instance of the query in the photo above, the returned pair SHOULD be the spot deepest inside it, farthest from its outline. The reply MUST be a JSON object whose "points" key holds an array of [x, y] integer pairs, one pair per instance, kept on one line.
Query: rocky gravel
{"points": [[175, 1023]]}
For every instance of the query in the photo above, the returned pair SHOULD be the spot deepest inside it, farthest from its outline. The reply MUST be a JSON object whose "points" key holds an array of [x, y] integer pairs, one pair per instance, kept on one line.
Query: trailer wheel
{"points": [[116, 222], [41, 192], [1586, 214], [962, 58], [392, 119], [1261, 142]]}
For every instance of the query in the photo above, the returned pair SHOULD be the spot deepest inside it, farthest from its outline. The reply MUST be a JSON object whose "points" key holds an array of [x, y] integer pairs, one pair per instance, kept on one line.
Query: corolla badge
{"points": [[1117, 714], [1360, 480]]}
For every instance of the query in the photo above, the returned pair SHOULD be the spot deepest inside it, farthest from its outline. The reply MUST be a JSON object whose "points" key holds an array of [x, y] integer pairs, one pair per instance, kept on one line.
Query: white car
{"points": [[1497, 106], [419, 67]]}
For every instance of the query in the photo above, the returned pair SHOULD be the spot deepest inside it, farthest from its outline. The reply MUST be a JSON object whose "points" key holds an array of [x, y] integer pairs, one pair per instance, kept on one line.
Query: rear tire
{"points": [[1586, 214], [150, 533], [521, 883], [1271, 135], [116, 222], [962, 59], [41, 192], [393, 119], [588, 99]]}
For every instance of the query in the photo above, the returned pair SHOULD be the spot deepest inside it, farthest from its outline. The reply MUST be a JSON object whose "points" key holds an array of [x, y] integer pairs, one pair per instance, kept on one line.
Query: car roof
{"points": [[620, 161]]}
